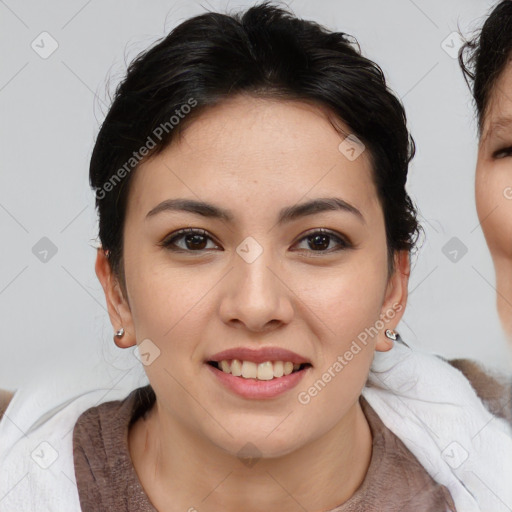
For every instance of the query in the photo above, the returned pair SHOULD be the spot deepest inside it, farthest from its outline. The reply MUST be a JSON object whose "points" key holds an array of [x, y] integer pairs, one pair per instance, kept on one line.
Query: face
{"points": [[263, 272], [494, 189]]}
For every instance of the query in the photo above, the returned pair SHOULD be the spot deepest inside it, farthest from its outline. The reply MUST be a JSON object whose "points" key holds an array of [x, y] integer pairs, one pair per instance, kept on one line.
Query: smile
{"points": [[257, 381], [267, 370]]}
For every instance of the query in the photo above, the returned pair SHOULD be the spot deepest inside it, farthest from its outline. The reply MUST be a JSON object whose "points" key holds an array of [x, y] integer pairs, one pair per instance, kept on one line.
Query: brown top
{"points": [[395, 480], [5, 398]]}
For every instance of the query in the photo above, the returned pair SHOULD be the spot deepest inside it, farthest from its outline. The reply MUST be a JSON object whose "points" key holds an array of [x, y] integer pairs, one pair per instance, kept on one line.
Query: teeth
{"points": [[236, 367], [265, 371], [249, 370], [262, 371], [224, 366], [278, 369]]}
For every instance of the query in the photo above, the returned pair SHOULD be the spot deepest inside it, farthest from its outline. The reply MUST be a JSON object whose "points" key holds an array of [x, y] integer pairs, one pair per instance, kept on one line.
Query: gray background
{"points": [[53, 315]]}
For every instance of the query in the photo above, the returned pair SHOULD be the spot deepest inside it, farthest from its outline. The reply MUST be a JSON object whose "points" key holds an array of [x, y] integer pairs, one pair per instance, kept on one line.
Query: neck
{"points": [[319, 476]]}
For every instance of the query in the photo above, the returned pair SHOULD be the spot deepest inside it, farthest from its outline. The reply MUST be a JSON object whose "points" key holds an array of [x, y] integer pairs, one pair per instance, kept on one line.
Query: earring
{"points": [[391, 334], [119, 333]]}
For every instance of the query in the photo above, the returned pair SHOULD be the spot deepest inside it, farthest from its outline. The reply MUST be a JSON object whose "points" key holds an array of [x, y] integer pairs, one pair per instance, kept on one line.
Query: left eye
{"points": [[196, 240], [320, 240]]}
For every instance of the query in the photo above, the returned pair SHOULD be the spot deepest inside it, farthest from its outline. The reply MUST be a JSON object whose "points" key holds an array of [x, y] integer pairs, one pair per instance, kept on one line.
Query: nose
{"points": [[256, 295]]}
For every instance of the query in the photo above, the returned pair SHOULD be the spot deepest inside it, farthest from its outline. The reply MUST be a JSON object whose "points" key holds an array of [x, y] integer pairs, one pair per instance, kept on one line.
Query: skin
{"points": [[254, 157], [494, 190]]}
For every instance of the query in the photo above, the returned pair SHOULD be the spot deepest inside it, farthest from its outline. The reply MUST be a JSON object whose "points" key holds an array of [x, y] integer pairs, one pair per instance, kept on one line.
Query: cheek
{"points": [[493, 188], [168, 304], [348, 308], [348, 305], [171, 301], [346, 300]]}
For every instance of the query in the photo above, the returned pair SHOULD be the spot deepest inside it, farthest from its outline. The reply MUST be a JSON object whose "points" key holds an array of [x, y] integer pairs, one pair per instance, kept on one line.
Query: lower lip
{"points": [[258, 389]]}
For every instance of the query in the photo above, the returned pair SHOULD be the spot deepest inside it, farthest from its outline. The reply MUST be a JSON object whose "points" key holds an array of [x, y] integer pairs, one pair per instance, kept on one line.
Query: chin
{"points": [[254, 443]]}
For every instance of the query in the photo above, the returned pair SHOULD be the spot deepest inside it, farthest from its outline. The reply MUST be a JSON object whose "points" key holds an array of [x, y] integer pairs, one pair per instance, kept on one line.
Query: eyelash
{"points": [[505, 152], [168, 242]]}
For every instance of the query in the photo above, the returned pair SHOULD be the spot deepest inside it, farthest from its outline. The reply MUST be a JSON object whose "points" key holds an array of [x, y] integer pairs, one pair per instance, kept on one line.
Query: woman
{"points": [[255, 247], [486, 63]]}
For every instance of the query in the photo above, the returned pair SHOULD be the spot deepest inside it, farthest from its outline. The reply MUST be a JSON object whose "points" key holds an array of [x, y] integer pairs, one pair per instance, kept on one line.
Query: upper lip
{"points": [[259, 355]]}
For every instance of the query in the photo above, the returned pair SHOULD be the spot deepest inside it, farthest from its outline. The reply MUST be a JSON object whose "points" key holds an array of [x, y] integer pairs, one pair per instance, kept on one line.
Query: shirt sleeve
{"points": [[493, 387]]}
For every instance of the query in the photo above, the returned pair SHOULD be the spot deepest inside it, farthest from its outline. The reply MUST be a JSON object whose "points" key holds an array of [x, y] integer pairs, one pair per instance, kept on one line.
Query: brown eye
{"points": [[323, 241], [188, 240], [502, 153], [196, 240]]}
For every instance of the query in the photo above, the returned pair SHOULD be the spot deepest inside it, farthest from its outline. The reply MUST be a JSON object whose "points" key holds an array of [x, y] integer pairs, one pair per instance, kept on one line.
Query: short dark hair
{"points": [[484, 57], [266, 52]]}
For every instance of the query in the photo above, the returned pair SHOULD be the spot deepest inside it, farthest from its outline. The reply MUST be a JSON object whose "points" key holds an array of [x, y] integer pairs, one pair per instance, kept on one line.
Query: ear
{"points": [[117, 305], [395, 299]]}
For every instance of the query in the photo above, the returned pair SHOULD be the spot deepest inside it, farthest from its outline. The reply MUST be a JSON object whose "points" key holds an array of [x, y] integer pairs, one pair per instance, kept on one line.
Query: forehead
{"points": [[274, 149], [498, 115]]}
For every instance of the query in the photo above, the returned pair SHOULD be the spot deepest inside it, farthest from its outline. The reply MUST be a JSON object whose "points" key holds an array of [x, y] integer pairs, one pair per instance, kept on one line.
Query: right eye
{"points": [[502, 153], [194, 240]]}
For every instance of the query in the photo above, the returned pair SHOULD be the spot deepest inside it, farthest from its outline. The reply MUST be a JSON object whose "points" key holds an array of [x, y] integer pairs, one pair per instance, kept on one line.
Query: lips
{"points": [[260, 355], [263, 373]]}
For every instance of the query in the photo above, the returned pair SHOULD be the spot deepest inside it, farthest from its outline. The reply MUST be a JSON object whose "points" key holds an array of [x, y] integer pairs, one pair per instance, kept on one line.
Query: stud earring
{"points": [[391, 334], [119, 333]]}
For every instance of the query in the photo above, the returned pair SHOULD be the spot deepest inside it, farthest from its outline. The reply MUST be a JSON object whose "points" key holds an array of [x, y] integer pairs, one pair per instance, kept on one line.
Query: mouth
{"points": [[264, 371]]}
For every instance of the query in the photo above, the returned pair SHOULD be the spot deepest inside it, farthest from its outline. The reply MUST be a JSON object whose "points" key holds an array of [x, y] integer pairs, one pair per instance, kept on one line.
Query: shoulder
{"points": [[494, 388], [105, 423], [5, 400]]}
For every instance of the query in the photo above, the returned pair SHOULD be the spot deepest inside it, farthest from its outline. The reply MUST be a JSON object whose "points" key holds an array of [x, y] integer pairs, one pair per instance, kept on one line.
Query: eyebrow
{"points": [[286, 214], [500, 123]]}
